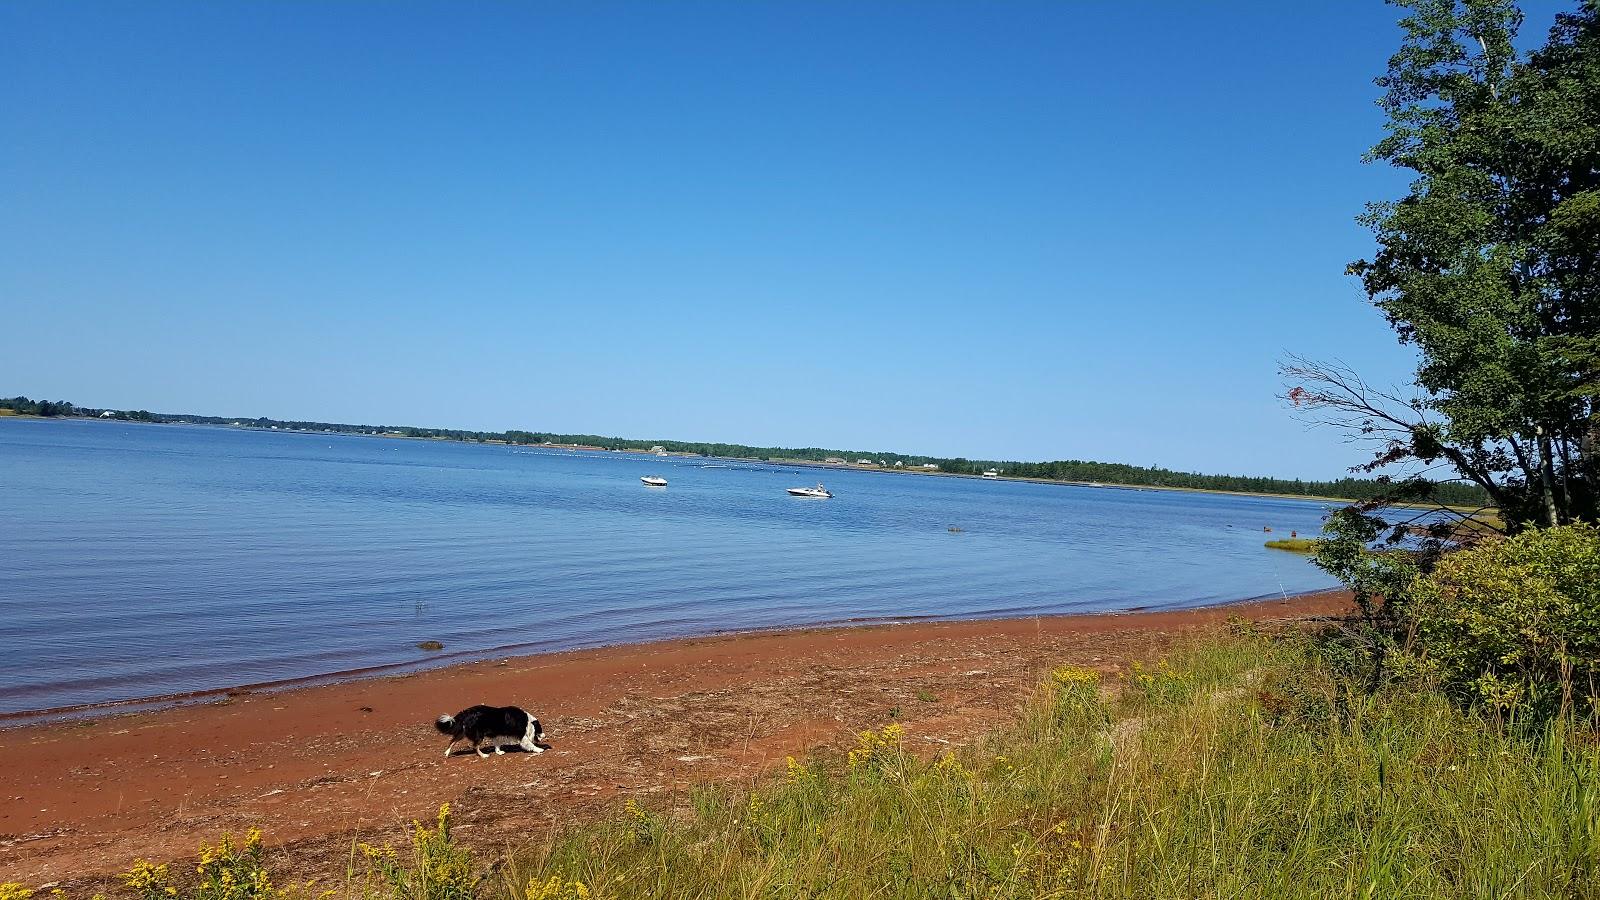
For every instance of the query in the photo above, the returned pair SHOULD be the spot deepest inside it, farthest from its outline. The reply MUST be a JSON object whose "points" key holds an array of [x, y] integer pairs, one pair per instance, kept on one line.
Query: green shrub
{"points": [[1516, 624]]}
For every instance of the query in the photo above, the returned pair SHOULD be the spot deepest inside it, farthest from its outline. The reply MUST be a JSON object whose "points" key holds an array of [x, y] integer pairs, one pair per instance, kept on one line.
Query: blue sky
{"points": [[1016, 230]]}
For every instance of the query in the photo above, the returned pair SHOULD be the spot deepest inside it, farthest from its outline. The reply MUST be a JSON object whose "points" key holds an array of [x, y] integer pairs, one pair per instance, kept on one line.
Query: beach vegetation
{"points": [[1294, 545], [231, 869], [1510, 625], [1242, 767], [436, 867]]}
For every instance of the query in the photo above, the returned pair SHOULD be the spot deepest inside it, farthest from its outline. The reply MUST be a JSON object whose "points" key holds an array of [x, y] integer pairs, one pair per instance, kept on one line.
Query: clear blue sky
{"points": [[1017, 230]]}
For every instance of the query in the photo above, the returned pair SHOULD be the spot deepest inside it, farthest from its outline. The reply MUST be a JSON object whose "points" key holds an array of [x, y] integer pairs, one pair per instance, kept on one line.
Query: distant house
{"points": [[108, 414], [864, 462], [932, 467], [990, 473], [899, 465], [659, 450], [834, 460]]}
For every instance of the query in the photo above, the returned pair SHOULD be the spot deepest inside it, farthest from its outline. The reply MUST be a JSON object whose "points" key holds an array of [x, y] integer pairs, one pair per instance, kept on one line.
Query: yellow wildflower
{"points": [[556, 888], [950, 767], [1069, 676], [797, 772], [146, 878], [873, 748]]}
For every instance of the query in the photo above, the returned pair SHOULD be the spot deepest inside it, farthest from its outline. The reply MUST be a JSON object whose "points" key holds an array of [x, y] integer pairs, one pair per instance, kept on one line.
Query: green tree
{"points": [[1489, 265]]}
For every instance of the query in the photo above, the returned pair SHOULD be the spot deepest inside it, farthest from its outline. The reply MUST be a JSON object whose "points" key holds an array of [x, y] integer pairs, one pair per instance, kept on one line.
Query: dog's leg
{"points": [[530, 737], [478, 746], [499, 750], [450, 747]]}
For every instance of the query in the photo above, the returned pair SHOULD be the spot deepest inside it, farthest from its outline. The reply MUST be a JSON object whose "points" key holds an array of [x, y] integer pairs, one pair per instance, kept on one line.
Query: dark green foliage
{"points": [[1378, 578], [1515, 624], [1490, 265]]}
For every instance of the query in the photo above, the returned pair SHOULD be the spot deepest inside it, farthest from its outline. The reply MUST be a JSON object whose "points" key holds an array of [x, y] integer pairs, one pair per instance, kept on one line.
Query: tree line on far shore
{"points": [[51, 409], [1058, 470]]}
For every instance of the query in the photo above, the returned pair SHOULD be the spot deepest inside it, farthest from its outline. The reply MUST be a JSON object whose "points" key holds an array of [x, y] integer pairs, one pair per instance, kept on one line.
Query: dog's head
{"points": [[538, 730]]}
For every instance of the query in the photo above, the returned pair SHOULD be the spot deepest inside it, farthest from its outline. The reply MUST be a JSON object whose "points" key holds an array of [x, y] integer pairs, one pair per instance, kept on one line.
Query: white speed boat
{"points": [[819, 492], [654, 480]]}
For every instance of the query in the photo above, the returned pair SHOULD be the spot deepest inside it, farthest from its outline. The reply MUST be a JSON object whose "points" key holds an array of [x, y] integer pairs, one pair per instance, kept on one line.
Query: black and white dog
{"points": [[495, 726]]}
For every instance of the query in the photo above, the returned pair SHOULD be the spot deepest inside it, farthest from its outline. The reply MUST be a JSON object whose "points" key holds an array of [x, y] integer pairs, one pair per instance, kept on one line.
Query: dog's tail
{"points": [[445, 724]]}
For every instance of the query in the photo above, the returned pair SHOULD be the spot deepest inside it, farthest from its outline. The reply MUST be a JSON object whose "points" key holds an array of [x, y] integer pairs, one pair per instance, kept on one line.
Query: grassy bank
{"points": [[1240, 767]]}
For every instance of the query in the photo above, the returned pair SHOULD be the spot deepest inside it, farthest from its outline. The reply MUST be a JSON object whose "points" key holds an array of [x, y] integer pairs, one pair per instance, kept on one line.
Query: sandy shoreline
{"points": [[317, 766], [154, 702]]}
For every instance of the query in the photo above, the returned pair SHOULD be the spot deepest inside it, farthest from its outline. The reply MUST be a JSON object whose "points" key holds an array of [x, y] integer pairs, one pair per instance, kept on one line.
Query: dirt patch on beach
{"points": [[320, 767]]}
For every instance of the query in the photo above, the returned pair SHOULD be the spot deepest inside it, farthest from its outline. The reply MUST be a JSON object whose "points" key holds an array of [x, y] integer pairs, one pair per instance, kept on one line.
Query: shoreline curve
{"points": [[528, 650]]}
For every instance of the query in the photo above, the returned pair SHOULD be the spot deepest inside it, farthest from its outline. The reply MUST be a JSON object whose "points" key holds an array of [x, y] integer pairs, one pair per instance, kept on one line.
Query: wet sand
{"points": [[318, 767]]}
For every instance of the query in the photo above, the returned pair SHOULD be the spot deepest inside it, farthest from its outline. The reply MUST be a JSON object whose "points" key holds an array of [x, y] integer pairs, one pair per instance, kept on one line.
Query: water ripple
{"points": [[139, 560]]}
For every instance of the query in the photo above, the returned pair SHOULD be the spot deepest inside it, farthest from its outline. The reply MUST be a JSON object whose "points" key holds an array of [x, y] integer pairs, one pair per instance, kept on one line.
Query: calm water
{"points": [[145, 560]]}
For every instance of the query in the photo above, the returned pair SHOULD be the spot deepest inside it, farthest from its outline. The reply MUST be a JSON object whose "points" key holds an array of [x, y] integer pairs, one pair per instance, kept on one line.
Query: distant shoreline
{"points": [[847, 467], [802, 463], [1065, 471]]}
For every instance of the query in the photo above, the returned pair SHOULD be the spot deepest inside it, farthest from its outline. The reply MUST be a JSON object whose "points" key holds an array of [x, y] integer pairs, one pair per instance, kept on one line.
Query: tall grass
{"points": [[1239, 768]]}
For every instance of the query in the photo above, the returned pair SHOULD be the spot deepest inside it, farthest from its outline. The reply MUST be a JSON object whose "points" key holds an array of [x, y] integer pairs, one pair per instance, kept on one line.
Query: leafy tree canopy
{"points": [[1490, 264]]}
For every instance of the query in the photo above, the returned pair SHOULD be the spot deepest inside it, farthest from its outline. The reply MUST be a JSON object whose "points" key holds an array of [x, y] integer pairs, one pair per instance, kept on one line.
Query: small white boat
{"points": [[819, 492], [654, 480]]}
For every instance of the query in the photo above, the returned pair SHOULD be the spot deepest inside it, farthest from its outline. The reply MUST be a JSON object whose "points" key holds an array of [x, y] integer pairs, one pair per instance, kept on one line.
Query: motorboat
{"points": [[819, 492], [654, 480]]}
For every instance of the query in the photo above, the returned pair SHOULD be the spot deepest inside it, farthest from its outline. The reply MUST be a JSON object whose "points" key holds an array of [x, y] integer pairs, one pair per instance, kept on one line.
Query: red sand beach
{"points": [[317, 767]]}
